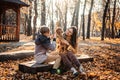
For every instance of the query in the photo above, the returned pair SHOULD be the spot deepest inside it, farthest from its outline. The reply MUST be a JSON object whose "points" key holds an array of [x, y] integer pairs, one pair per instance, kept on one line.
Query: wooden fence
{"points": [[7, 33]]}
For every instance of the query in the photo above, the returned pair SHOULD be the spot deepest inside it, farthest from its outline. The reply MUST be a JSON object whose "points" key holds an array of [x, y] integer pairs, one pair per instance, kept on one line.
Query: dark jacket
{"points": [[42, 44]]}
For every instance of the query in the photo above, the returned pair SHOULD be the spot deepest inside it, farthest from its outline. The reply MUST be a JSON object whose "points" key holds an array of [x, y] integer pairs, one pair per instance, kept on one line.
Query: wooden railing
{"points": [[7, 33]]}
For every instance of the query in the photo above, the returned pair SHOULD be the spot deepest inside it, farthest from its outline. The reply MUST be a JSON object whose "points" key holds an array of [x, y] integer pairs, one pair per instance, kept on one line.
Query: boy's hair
{"points": [[44, 30]]}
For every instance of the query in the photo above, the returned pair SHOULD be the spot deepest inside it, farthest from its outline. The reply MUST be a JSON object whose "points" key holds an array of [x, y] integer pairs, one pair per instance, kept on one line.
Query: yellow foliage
{"points": [[117, 25], [25, 9], [98, 23]]}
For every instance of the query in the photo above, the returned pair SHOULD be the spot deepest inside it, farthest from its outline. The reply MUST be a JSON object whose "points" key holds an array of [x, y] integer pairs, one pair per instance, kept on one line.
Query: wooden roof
{"points": [[19, 2]]}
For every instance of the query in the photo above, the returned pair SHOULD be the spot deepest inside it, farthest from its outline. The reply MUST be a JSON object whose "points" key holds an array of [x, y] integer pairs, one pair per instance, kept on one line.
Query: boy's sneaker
{"points": [[53, 71]]}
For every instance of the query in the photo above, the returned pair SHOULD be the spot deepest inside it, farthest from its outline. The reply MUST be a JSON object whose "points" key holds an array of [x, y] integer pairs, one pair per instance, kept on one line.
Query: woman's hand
{"points": [[51, 36], [65, 42]]}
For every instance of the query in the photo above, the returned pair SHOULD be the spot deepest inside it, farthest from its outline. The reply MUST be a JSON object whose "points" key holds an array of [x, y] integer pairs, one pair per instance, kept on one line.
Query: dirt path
{"points": [[25, 43]]}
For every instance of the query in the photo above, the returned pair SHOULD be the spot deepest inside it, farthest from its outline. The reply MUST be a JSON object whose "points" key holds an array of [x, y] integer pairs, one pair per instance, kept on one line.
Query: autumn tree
{"points": [[43, 12], [51, 20], [75, 19], [29, 27], [89, 20], [104, 19], [35, 18], [65, 18], [62, 14], [83, 19], [113, 20]]}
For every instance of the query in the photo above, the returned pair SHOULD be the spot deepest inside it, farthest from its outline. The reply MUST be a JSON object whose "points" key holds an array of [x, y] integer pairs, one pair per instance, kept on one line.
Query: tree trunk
{"points": [[104, 20], [113, 19], [65, 24], [52, 21], [52, 26], [60, 16], [29, 28], [79, 32], [35, 19], [43, 14], [77, 14], [65, 20], [109, 25], [89, 20], [83, 24], [75, 18]]}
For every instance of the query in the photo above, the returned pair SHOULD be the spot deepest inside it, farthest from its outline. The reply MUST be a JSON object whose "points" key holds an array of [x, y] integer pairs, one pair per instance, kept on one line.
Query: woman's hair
{"points": [[74, 37], [44, 30]]}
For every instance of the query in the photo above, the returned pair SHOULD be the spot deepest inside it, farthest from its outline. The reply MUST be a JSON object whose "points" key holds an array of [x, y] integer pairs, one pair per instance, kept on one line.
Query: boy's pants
{"points": [[40, 58], [54, 56], [45, 58]]}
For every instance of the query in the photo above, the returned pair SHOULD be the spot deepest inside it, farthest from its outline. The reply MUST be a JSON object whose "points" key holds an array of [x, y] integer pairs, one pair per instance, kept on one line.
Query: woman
{"points": [[69, 59]]}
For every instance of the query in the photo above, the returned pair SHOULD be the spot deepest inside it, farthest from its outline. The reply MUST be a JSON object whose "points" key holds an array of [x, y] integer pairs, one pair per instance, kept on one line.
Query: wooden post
{"points": [[0, 27], [17, 23], [0, 32], [0, 17], [0, 11]]}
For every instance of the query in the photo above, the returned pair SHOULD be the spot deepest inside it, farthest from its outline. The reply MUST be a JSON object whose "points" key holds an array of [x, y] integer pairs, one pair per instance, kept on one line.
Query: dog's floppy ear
{"points": [[59, 31]]}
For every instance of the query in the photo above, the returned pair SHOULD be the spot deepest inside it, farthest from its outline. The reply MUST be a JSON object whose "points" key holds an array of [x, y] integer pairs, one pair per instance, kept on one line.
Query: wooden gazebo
{"points": [[10, 19]]}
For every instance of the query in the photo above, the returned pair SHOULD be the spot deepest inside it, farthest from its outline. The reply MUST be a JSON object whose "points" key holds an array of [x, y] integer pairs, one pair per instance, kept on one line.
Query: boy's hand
{"points": [[52, 36]]}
